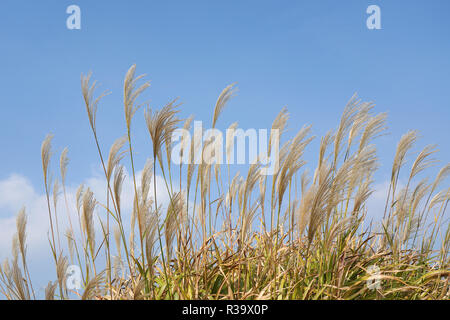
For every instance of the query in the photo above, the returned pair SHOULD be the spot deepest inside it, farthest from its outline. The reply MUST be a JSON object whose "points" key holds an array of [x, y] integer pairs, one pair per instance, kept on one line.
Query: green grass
{"points": [[288, 236]]}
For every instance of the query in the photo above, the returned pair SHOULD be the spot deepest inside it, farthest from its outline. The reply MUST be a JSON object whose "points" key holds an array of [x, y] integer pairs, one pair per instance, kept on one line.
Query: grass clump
{"points": [[288, 236]]}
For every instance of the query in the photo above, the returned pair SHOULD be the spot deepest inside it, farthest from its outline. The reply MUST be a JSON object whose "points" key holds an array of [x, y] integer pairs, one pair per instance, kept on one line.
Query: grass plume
{"points": [[210, 239]]}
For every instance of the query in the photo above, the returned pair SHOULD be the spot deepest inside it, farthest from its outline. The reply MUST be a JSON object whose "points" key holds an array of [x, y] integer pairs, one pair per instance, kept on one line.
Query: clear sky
{"points": [[310, 56]]}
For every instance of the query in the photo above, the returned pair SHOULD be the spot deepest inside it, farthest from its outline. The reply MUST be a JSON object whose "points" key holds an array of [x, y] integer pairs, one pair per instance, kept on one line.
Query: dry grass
{"points": [[213, 239]]}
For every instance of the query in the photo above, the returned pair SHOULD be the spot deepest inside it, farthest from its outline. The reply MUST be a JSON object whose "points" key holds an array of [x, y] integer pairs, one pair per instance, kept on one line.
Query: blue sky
{"points": [[310, 56]]}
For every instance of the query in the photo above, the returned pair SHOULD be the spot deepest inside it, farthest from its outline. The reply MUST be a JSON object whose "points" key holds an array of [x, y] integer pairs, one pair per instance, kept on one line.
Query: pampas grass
{"points": [[210, 239]]}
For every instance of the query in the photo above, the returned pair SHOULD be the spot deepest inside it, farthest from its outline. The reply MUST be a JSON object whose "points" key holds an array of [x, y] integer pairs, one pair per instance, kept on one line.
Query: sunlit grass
{"points": [[288, 236]]}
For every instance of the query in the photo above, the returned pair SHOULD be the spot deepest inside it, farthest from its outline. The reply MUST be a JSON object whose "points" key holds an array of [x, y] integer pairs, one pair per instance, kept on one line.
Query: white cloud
{"points": [[17, 191], [377, 201]]}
